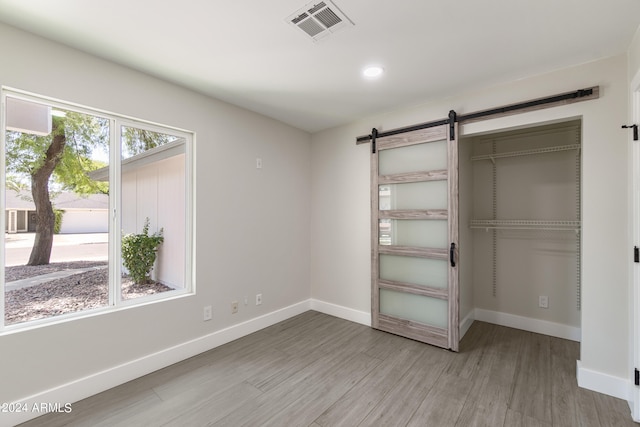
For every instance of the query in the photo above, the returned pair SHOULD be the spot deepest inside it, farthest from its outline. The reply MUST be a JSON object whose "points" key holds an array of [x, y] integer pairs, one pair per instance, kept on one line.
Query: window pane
{"points": [[418, 271], [413, 158], [414, 195], [57, 204], [413, 232], [136, 141], [430, 311], [153, 214]]}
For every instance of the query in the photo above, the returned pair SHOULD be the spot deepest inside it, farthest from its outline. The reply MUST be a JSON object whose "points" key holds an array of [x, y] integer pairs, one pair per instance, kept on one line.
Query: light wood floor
{"points": [[316, 370]]}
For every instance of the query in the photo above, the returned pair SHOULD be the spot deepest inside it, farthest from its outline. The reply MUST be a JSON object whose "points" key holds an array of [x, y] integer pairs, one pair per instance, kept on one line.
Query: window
{"points": [[98, 210]]}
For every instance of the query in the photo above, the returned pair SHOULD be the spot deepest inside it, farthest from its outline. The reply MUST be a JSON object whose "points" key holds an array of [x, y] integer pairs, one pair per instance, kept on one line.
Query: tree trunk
{"points": [[45, 218], [45, 221]]}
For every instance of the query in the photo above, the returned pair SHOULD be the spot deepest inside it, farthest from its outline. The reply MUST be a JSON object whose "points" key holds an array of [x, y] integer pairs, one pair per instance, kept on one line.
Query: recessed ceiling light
{"points": [[373, 71]]}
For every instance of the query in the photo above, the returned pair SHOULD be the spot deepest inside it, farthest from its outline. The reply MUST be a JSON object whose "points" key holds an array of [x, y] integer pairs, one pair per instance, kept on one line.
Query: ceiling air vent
{"points": [[318, 20]]}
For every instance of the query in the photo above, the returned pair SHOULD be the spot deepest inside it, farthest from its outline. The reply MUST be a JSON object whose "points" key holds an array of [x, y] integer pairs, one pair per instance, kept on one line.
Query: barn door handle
{"points": [[452, 252]]}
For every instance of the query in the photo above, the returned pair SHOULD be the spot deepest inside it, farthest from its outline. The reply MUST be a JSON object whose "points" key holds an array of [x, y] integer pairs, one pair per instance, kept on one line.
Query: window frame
{"points": [[116, 122]]}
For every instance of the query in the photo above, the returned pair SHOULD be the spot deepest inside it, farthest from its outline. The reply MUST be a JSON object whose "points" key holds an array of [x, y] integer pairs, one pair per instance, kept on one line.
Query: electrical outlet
{"points": [[543, 301], [258, 163], [258, 299], [207, 313], [246, 300], [234, 307]]}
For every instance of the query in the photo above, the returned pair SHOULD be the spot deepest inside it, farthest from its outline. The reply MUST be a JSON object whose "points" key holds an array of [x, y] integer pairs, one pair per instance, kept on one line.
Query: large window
{"points": [[98, 210]]}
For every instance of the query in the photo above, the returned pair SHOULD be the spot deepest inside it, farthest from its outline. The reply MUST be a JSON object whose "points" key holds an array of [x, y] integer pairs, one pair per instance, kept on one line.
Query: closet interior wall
{"points": [[520, 226]]}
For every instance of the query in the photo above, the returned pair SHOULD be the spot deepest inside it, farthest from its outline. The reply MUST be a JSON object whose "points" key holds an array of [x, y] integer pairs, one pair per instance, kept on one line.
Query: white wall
{"points": [[634, 56], [262, 244], [340, 269]]}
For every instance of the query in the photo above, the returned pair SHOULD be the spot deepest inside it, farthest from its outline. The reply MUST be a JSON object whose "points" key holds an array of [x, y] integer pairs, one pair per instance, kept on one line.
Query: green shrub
{"points": [[139, 253], [58, 213]]}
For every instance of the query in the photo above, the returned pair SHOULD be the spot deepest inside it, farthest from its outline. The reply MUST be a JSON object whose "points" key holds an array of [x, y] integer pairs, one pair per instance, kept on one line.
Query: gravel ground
{"points": [[66, 295], [25, 271]]}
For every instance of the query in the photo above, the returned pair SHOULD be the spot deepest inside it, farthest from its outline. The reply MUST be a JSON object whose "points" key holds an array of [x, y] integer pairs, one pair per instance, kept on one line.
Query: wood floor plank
{"points": [[211, 408], [93, 411], [443, 404], [315, 370], [296, 382], [319, 396], [303, 385], [612, 412], [564, 397], [400, 403], [472, 350], [507, 345], [295, 323], [356, 404], [356, 336], [485, 408], [516, 419], [386, 344], [587, 412], [532, 391], [489, 398], [348, 337], [323, 332], [224, 373]]}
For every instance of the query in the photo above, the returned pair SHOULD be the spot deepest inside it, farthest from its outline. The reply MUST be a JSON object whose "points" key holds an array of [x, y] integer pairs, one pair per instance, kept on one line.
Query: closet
{"points": [[520, 229]]}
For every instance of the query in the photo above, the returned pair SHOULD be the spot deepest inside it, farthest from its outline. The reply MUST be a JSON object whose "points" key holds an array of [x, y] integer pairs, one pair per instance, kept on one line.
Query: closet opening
{"points": [[520, 229]]}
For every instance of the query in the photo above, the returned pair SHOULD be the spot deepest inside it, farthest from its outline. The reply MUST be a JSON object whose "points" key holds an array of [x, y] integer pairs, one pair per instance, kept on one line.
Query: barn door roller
{"points": [[635, 130]]}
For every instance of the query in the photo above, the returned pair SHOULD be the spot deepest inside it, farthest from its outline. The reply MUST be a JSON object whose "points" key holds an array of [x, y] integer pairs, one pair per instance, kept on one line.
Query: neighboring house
{"points": [[82, 214]]}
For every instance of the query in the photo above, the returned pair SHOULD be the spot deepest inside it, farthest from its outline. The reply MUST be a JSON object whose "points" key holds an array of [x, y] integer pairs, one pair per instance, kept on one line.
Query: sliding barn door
{"points": [[414, 193]]}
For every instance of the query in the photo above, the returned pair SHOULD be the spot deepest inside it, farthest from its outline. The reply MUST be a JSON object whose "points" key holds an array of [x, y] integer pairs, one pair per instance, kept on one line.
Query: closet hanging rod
{"points": [[552, 225], [527, 152], [521, 107], [504, 227]]}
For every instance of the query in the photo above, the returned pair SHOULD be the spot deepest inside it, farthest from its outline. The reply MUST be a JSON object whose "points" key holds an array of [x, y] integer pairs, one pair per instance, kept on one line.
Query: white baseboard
{"points": [[529, 324], [342, 312], [88, 386], [603, 383], [466, 323]]}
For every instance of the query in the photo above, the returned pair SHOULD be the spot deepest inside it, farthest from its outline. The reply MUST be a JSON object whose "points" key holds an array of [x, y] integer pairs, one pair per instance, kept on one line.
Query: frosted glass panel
{"points": [[419, 233], [430, 311], [414, 195], [414, 158], [418, 271]]}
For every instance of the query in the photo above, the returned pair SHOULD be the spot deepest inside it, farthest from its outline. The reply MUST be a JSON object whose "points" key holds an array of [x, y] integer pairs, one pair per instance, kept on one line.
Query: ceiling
{"points": [[245, 52]]}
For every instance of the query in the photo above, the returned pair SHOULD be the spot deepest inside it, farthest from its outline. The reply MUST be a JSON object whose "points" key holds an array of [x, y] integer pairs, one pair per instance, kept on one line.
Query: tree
{"points": [[65, 157], [14, 183], [66, 150], [137, 141]]}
